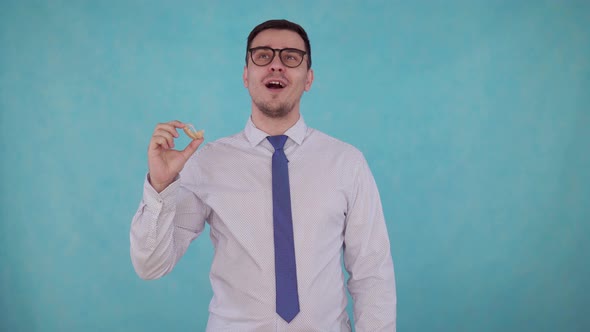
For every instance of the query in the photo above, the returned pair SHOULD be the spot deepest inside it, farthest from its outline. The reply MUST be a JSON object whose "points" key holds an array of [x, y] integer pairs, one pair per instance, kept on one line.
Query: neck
{"points": [[274, 126]]}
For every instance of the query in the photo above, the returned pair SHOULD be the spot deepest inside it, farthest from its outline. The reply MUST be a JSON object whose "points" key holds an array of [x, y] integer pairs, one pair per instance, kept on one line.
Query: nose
{"points": [[276, 64]]}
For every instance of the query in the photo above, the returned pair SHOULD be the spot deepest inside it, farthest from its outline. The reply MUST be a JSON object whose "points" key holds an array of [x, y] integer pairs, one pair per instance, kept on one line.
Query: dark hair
{"points": [[280, 25]]}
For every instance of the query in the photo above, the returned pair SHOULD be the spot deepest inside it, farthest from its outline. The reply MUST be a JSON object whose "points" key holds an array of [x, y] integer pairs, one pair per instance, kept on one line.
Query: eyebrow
{"points": [[297, 48]]}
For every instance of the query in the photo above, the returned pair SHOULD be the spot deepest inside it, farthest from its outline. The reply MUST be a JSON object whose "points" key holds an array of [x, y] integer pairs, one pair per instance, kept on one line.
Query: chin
{"points": [[274, 111]]}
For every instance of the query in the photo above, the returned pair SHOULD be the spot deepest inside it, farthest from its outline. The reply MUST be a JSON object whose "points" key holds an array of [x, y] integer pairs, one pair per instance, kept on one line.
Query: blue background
{"points": [[473, 115]]}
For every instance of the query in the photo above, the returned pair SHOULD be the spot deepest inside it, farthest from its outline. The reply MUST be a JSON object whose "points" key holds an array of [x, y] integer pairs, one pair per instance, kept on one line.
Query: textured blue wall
{"points": [[473, 115]]}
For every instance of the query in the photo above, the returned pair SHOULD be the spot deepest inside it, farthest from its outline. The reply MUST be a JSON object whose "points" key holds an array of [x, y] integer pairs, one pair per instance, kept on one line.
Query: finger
{"points": [[176, 123], [166, 134], [170, 127], [159, 141], [192, 147], [164, 127], [169, 139], [173, 124]]}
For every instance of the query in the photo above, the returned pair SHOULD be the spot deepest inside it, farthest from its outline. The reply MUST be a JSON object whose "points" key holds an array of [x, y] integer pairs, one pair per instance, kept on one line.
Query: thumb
{"points": [[191, 148]]}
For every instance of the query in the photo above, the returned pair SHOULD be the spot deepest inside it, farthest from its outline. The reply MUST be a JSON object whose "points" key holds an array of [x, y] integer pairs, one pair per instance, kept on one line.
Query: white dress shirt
{"points": [[336, 211]]}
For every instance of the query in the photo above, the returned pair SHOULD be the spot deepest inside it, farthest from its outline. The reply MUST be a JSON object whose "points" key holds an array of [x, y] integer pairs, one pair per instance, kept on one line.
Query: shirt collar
{"points": [[255, 135]]}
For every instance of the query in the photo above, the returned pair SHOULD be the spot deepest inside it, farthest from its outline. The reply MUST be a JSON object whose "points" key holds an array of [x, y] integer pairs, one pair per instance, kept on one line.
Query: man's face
{"points": [[275, 88]]}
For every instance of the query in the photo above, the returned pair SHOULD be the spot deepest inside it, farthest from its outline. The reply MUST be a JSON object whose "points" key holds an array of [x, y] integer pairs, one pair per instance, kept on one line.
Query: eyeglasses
{"points": [[290, 57]]}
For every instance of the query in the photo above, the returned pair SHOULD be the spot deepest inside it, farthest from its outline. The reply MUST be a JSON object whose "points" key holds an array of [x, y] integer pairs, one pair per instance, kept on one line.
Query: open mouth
{"points": [[275, 85]]}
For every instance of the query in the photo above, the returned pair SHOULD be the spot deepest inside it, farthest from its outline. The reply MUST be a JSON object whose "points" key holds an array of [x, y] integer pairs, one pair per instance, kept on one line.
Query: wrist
{"points": [[159, 186]]}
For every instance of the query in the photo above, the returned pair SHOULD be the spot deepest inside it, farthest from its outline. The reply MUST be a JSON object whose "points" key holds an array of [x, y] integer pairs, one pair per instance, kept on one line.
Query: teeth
{"points": [[276, 83]]}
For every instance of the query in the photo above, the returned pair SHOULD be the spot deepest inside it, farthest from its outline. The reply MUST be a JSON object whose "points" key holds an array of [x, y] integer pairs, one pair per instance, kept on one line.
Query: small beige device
{"points": [[191, 132]]}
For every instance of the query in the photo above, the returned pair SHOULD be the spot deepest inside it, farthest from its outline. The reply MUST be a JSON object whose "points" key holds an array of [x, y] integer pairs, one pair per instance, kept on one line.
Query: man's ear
{"points": [[309, 80], [245, 76]]}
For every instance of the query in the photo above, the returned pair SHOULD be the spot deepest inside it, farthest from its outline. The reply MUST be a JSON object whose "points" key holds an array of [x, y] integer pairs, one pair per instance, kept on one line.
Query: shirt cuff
{"points": [[165, 200]]}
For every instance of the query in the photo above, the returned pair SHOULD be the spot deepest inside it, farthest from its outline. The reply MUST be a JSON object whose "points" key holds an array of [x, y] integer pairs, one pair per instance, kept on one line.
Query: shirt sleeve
{"points": [[367, 256], [163, 227]]}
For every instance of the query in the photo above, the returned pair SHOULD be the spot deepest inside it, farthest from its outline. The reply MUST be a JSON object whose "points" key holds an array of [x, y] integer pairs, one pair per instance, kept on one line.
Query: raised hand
{"points": [[163, 161]]}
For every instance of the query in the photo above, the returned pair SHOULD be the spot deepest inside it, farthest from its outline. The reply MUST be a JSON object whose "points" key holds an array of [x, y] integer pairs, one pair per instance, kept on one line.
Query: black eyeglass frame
{"points": [[274, 53]]}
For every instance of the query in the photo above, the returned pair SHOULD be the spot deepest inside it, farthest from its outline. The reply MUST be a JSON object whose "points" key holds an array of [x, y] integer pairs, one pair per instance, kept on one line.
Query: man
{"points": [[281, 216]]}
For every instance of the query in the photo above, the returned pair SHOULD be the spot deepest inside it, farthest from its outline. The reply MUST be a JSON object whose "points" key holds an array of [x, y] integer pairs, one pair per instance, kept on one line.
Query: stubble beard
{"points": [[274, 110]]}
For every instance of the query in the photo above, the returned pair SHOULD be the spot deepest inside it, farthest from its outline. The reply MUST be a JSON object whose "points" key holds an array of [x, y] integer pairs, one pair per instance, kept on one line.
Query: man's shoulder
{"points": [[331, 143]]}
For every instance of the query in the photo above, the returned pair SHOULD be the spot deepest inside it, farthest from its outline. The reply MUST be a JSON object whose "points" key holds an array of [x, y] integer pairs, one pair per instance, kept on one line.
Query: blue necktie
{"points": [[285, 270]]}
